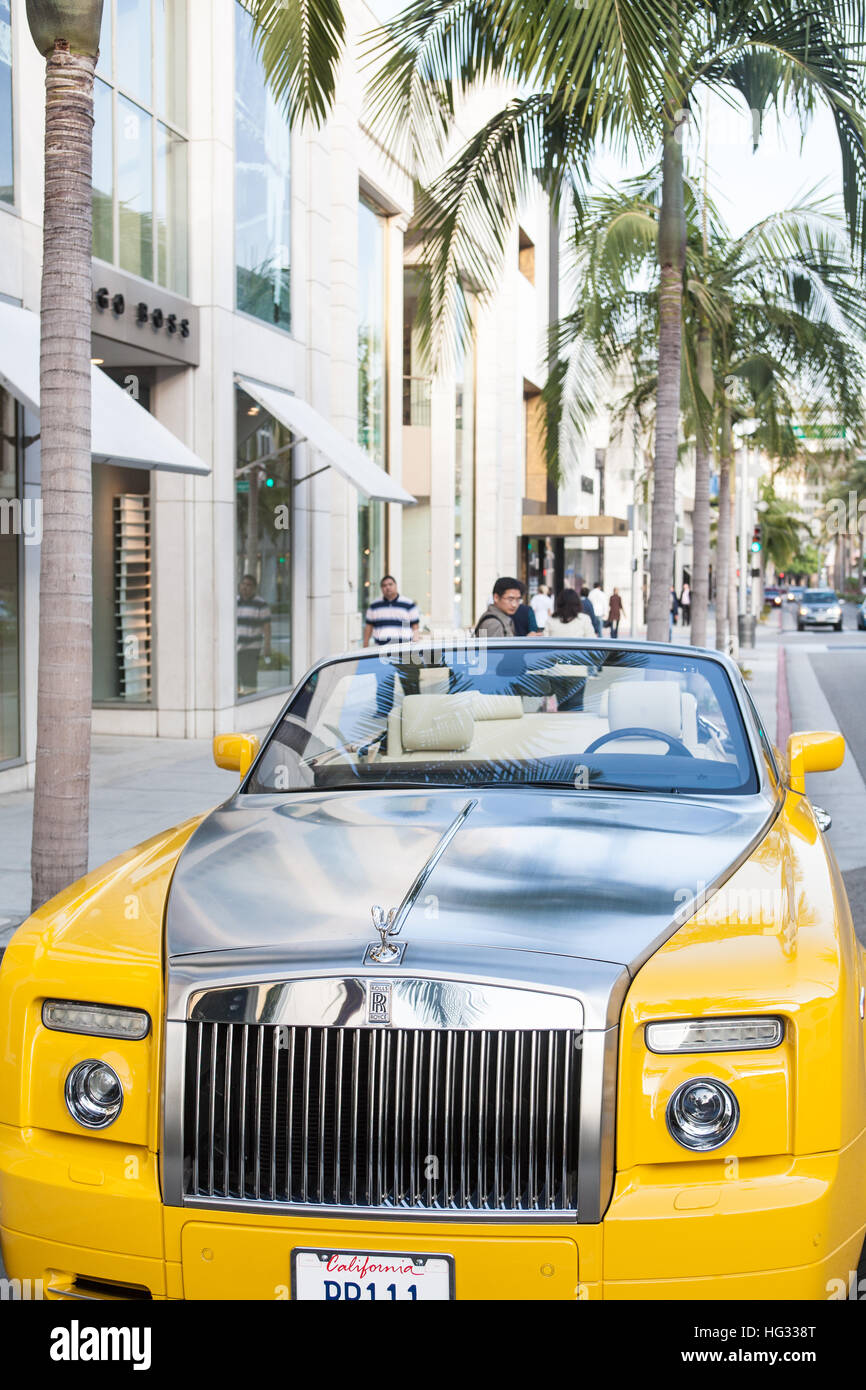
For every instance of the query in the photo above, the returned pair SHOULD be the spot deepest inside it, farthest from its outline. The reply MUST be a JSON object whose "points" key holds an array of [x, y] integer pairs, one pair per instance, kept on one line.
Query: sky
{"points": [[785, 169]]}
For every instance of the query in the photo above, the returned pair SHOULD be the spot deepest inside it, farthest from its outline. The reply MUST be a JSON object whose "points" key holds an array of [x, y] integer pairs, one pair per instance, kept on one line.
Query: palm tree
{"points": [[781, 529], [301, 44], [771, 324], [616, 70], [66, 32]]}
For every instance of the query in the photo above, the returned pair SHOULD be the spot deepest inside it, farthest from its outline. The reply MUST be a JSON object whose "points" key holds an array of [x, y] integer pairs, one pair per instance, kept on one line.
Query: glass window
{"points": [[7, 192], [134, 48], [504, 714], [135, 189], [10, 542], [140, 185], [371, 392], [263, 491], [103, 172], [171, 200], [262, 187]]}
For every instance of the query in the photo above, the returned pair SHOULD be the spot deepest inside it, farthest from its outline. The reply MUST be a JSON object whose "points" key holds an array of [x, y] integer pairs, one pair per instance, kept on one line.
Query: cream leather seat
{"points": [[662, 705]]}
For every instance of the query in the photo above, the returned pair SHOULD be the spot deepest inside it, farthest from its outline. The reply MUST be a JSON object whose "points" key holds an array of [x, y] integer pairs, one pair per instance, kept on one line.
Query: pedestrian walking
{"points": [[391, 618], [525, 621], [615, 613], [569, 618], [686, 604], [497, 620], [542, 606], [675, 603], [590, 611], [598, 599]]}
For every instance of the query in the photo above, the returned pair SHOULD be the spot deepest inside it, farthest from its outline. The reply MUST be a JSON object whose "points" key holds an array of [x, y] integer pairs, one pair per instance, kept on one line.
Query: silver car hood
{"points": [[541, 886]]}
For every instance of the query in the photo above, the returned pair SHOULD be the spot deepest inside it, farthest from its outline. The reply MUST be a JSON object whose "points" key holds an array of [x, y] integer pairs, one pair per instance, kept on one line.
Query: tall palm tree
{"points": [[618, 69], [300, 42], [66, 32], [771, 323]]}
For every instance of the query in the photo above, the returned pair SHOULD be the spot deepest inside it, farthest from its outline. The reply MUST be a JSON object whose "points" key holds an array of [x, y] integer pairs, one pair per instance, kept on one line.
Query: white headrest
{"points": [[646, 705], [437, 723], [496, 706]]}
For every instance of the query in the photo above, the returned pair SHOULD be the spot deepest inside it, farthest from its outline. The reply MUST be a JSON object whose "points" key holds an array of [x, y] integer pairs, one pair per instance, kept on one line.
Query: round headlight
{"points": [[94, 1095], [702, 1114]]}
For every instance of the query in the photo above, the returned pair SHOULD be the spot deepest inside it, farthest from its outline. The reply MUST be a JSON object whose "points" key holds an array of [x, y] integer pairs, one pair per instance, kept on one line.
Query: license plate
{"points": [[370, 1276]]}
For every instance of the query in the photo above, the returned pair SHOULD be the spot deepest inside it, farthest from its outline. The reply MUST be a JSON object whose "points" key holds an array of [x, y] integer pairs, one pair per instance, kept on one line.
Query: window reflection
{"points": [[141, 223], [263, 492], [262, 187], [371, 392]]}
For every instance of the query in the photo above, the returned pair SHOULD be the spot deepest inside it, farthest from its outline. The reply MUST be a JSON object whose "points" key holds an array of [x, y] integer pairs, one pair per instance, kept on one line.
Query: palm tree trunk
{"points": [[733, 588], [672, 250], [723, 534], [62, 792], [701, 515]]}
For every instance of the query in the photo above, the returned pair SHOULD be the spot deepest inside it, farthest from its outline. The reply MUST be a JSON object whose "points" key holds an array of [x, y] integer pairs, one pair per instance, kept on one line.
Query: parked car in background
{"points": [[518, 972], [773, 596], [819, 608]]}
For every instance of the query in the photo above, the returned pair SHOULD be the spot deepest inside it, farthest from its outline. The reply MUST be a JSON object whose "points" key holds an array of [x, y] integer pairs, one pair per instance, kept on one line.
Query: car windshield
{"points": [[512, 715], [819, 596]]}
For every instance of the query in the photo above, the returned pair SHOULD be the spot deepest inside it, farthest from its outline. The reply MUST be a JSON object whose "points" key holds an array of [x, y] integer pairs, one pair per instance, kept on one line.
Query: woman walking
{"points": [[568, 618], [615, 613]]}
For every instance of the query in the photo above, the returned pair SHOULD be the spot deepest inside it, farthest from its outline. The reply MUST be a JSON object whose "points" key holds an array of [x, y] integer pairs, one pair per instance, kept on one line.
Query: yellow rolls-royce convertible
{"points": [[510, 971]]}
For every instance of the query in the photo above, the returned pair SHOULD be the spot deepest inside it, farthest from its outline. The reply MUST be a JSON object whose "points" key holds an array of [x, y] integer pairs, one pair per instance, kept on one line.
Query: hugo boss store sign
{"points": [[144, 316]]}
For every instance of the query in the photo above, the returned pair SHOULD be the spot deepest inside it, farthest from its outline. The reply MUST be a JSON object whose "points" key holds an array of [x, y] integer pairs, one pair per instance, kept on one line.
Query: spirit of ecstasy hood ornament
{"points": [[390, 923], [384, 924]]}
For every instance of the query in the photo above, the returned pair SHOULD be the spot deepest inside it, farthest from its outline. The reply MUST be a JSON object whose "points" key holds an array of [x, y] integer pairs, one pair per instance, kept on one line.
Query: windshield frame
{"points": [[729, 670]]}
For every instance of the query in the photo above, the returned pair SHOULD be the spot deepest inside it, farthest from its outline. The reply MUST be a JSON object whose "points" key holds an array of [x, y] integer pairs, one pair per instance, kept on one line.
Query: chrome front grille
{"points": [[420, 1119]]}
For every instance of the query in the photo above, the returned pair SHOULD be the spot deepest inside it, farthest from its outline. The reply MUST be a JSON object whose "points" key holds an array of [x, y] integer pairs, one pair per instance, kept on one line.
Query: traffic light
{"points": [[756, 541]]}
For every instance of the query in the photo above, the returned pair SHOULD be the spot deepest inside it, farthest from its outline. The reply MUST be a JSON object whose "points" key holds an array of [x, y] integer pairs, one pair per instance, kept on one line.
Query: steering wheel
{"points": [[675, 745]]}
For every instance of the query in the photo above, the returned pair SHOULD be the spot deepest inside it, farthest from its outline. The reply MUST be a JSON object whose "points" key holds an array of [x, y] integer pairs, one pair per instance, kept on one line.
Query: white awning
{"points": [[341, 453], [122, 431]]}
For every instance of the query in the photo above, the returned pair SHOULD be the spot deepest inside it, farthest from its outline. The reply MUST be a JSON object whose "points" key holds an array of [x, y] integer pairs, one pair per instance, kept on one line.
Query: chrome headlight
{"points": [[94, 1095], [97, 1020], [714, 1035], [702, 1114]]}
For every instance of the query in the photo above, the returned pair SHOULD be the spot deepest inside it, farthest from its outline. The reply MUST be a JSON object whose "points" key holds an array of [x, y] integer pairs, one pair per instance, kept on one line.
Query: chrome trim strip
{"points": [[597, 1123], [421, 878], [298, 1210], [416, 1002]]}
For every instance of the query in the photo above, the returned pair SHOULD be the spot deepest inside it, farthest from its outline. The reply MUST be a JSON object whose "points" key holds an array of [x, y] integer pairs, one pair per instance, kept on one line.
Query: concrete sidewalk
{"points": [[139, 786]]}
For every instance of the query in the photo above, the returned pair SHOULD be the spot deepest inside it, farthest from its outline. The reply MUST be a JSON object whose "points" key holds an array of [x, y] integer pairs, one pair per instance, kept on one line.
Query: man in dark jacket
{"points": [[497, 620]]}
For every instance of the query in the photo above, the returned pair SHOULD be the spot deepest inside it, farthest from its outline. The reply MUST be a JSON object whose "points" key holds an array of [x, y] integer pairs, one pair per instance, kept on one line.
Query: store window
{"points": [[262, 187], [7, 190], [263, 554], [10, 557], [371, 391], [140, 173]]}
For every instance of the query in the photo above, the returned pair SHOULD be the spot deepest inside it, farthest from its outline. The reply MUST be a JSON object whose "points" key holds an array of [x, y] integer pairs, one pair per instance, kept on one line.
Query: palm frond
{"points": [[300, 43]]}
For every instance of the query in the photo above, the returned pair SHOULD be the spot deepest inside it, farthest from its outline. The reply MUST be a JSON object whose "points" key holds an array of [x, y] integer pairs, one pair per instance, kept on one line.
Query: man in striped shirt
{"points": [[391, 618]]}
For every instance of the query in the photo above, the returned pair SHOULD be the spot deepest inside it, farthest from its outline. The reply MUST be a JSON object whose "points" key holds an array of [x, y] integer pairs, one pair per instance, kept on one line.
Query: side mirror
{"points": [[235, 752], [813, 752]]}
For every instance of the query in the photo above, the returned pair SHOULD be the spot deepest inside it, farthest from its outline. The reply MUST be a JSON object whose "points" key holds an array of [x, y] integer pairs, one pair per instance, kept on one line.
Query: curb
{"points": [[783, 705]]}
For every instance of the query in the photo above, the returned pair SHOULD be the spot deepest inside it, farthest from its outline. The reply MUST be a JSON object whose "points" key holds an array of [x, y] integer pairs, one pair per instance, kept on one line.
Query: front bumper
{"points": [[86, 1214]]}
